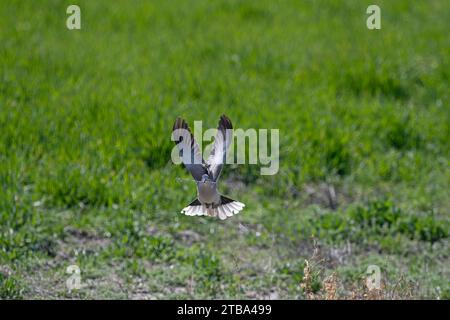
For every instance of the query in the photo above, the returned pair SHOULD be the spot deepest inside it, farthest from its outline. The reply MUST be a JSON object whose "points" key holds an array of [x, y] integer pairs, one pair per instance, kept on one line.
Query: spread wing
{"points": [[189, 150], [220, 148]]}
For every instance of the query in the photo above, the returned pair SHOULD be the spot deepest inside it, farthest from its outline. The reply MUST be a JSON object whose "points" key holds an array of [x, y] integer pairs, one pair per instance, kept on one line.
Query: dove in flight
{"points": [[206, 173]]}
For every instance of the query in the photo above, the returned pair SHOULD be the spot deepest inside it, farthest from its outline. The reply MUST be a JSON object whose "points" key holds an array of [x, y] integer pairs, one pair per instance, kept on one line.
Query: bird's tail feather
{"points": [[227, 208], [195, 208]]}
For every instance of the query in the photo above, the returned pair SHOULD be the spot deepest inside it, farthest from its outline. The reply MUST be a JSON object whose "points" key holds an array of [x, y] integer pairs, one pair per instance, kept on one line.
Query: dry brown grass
{"points": [[331, 288]]}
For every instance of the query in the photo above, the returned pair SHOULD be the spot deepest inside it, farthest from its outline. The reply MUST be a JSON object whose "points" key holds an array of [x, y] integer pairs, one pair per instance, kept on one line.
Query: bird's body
{"points": [[207, 193], [206, 173]]}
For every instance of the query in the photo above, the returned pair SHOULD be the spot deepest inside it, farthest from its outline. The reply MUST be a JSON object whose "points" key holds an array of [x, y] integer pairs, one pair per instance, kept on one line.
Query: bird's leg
{"points": [[209, 209]]}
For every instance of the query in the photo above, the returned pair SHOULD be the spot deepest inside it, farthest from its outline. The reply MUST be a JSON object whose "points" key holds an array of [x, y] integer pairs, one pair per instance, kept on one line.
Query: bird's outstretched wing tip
{"points": [[176, 124], [180, 123], [225, 122]]}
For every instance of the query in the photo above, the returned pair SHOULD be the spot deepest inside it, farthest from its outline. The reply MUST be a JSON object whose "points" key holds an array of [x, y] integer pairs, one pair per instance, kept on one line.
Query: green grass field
{"points": [[85, 171]]}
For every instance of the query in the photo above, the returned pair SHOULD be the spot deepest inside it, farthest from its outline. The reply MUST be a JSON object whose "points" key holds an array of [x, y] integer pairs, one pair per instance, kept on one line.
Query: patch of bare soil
{"points": [[77, 241]]}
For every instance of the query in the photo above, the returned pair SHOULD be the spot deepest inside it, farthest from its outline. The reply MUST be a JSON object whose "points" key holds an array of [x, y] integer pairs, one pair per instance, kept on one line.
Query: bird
{"points": [[209, 201]]}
